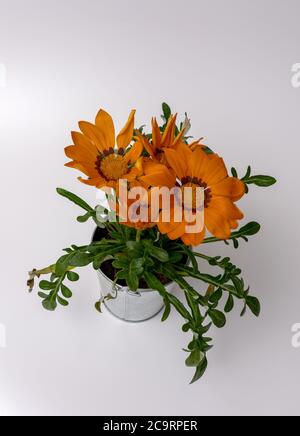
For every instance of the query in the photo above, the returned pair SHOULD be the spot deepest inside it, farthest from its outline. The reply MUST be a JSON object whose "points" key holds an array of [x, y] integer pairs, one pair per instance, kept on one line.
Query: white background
{"points": [[228, 63]]}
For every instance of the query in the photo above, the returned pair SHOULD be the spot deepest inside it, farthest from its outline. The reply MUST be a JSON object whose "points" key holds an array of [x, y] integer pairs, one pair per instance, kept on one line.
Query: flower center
{"points": [[160, 156], [113, 166], [195, 198]]}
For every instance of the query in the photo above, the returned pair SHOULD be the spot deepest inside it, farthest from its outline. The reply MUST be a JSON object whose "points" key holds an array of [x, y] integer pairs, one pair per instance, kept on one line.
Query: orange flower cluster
{"points": [[165, 160]]}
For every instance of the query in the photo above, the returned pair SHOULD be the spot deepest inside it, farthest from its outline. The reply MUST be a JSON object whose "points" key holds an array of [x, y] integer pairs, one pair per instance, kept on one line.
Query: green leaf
{"points": [[159, 254], [186, 327], [62, 301], [166, 111], [229, 304], [179, 307], [62, 264], [132, 279], [253, 304], [201, 368], [218, 318], [66, 291], [46, 286], [43, 295], [72, 276], [195, 358], [75, 199], [84, 218], [234, 172], [167, 310], [249, 229], [80, 259], [154, 283], [49, 304], [261, 180], [136, 265], [244, 310], [135, 248], [216, 296], [194, 307], [175, 257]]}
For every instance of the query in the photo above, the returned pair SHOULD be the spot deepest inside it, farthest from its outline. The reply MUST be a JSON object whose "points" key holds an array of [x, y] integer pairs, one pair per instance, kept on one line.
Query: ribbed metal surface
{"points": [[131, 306]]}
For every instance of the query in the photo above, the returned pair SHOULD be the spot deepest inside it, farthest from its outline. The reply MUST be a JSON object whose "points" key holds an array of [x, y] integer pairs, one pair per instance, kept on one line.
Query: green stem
{"points": [[188, 272], [138, 235]]}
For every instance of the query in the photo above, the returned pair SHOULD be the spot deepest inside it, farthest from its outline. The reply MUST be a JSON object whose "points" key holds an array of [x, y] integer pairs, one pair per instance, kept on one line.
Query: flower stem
{"points": [[138, 235]]}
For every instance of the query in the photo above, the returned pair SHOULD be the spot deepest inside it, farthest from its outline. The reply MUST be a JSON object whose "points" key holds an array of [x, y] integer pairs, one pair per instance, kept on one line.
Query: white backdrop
{"points": [[228, 63]]}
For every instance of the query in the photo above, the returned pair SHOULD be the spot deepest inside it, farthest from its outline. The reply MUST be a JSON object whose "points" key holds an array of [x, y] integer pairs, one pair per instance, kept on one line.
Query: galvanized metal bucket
{"points": [[131, 306], [127, 305]]}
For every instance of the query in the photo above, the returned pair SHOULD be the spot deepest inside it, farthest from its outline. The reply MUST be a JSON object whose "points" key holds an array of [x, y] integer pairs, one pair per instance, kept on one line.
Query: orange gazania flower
{"points": [[197, 169], [161, 141], [96, 155], [137, 214]]}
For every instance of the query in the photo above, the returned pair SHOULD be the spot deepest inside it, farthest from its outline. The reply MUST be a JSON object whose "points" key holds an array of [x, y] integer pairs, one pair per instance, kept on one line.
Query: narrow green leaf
{"points": [[84, 218], [195, 358], [167, 310], [166, 111], [158, 253], [62, 301], [229, 304], [216, 296], [179, 307], [132, 280], [234, 172], [200, 370], [46, 286], [75, 199], [253, 304], [67, 293], [261, 180], [42, 295], [218, 318], [154, 283]]}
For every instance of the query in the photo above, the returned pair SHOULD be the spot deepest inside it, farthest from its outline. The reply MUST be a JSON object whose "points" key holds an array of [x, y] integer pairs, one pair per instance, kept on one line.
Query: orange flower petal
{"points": [[168, 135], [94, 134], [216, 223], [162, 178], [197, 162], [146, 144], [82, 141], [156, 135], [84, 167], [105, 123], [98, 182], [178, 164], [215, 170], [193, 239], [229, 187], [125, 136], [79, 154], [167, 226], [134, 153], [226, 208], [177, 232], [233, 224]]}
